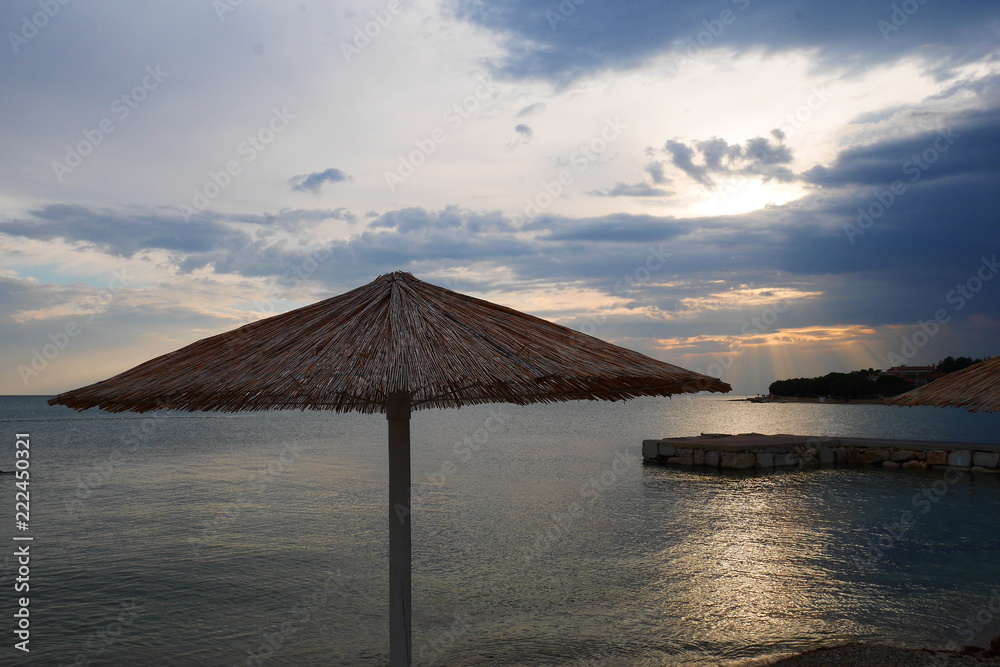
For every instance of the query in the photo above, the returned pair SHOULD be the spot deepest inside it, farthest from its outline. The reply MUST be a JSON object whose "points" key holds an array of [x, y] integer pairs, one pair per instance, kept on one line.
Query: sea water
{"points": [[539, 538]]}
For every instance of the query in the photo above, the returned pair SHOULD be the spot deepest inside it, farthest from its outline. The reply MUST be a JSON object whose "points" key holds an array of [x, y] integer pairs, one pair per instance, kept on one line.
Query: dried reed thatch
{"points": [[976, 388], [396, 334]]}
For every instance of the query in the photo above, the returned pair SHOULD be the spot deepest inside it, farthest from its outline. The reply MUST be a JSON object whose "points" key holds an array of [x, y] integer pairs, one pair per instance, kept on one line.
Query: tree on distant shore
{"points": [[950, 364], [891, 385], [860, 384], [853, 385]]}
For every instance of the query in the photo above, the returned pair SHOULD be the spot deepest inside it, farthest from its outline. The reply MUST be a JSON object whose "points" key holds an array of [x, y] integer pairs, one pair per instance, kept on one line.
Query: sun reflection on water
{"points": [[750, 559]]}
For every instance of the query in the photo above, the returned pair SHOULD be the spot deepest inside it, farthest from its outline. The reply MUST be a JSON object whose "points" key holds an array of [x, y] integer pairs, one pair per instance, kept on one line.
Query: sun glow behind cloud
{"points": [[746, 296], [759, 357], [743, 195]]}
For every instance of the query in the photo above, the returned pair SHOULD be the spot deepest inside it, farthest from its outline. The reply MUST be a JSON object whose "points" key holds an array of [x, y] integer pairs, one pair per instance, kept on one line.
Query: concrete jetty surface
{"points": [[751, 451]]}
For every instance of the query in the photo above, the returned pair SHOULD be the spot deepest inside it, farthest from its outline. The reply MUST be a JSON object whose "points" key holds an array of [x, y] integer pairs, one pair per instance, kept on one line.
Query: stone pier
{"points": [[755, 451]]}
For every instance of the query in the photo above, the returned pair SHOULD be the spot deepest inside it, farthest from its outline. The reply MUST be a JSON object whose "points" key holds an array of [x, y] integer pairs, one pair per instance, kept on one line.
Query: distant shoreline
{"points": [[813, 399]]}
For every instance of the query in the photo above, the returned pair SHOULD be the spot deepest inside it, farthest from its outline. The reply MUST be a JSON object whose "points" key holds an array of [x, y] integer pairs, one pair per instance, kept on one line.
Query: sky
{"points": [[751, 190]]}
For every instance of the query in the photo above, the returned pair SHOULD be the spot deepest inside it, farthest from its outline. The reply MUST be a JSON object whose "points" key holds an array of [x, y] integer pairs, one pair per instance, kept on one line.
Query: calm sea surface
{"points": [[539, 538]]}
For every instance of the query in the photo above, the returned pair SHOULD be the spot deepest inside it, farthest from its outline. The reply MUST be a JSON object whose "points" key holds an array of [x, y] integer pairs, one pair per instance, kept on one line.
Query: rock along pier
{"points": [[755, 451]]}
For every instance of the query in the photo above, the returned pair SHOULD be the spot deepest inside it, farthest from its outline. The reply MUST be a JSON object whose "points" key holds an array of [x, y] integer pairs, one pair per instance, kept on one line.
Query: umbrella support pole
{"points": [[397, 412]]}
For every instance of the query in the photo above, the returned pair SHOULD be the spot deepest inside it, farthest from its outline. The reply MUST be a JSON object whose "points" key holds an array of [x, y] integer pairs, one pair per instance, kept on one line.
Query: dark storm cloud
{"points": [[617, 228], [682, 157], [757, 157], [124, 232], [17, 294], [530, 109], [655, 171], [965, 143], [451, 218], [405, 239], [561, 41], [621, 189], [312, 182], [523, 135], [290, 219]]}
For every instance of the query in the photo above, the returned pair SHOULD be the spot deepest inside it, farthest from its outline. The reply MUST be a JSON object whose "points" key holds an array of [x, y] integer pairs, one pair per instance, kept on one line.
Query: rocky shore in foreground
{"points": [[881, 655]]}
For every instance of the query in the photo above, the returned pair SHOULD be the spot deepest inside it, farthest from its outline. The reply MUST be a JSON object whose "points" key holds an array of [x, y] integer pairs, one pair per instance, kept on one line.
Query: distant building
{"points": [[930, 377], [911, 371]]}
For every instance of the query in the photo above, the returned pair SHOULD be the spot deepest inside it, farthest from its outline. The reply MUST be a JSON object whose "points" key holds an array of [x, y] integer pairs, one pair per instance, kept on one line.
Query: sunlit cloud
{"points": [[743, 296]]}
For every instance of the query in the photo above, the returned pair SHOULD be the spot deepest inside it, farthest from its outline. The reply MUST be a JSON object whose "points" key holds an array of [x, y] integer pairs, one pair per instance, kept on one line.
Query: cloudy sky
{"points": [[753, 190]]}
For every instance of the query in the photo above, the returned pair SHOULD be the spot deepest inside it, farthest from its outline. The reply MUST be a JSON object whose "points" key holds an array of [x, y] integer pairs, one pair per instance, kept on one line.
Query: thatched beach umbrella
{"points": [[976, 388], [395, 345]]}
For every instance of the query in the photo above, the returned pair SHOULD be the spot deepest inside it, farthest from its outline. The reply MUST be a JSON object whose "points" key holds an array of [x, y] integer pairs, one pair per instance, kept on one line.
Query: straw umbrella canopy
{"points": [[976, 388], [394, 345]]}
